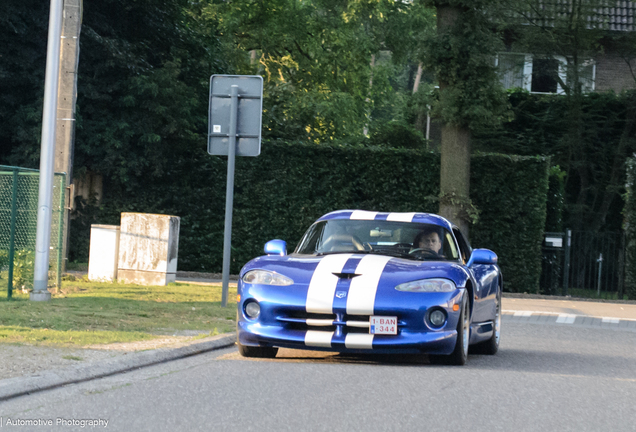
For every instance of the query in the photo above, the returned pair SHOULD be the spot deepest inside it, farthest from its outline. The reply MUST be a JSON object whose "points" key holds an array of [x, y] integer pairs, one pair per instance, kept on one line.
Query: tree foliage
{"points": [[329, 66], [596, 171], [142, 86], [23, 27], [461, 54], [590, 135]]}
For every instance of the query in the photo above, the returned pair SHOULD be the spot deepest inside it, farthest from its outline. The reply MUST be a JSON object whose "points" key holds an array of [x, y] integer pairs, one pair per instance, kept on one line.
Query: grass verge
{"points": [[88, 313]]}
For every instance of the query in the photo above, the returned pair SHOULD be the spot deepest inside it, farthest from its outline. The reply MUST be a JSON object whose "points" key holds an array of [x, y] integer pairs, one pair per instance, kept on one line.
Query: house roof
{"points": [[617, 16], [614, 15]]}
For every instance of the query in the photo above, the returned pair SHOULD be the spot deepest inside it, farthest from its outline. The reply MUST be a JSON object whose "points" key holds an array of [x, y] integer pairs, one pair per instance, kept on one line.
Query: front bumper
{"points": [[284, 322]]}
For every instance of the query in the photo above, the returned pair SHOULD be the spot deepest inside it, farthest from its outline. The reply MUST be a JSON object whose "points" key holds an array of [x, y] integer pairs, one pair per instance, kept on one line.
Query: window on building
{"points": [[542, 75], [587, 74], [511, 68], [545, 76]]}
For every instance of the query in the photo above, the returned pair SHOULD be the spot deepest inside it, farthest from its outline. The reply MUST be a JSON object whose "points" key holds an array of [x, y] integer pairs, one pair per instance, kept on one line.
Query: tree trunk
{"points": [[365, 129], [421, 116], [455, 176], [455, 146]]}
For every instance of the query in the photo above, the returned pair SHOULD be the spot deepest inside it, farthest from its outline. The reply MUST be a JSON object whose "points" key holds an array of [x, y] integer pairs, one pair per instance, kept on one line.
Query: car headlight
{"points": [[428, 285], [264, 277]]}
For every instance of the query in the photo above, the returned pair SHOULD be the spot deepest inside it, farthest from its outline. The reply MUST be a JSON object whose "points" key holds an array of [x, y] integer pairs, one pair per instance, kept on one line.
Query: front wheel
{"points": [[460, 353], [256, 351]]}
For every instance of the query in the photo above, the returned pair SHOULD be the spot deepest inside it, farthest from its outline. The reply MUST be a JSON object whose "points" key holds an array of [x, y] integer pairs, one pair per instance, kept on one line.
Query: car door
{"points": [[485, 279]]}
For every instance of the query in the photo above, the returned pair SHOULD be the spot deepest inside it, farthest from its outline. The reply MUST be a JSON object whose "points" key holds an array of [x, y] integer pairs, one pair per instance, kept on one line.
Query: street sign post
{"points": [[234, 129]]}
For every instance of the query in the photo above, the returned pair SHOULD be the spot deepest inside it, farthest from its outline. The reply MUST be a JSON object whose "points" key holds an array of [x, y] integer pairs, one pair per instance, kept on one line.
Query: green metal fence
{"points": [[18, 225]]}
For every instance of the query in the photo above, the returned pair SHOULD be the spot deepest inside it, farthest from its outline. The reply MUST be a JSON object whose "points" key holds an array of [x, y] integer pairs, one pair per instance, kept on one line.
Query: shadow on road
{"points": [[513, 360]]}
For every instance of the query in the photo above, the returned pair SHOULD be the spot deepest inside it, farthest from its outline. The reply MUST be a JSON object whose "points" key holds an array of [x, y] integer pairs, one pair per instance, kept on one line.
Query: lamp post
{"points": [[43, 236]]}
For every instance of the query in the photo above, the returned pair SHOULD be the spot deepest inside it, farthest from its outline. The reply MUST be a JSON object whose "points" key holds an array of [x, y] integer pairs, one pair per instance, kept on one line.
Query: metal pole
{"points": [[14, 211], [621, 267], [60, 232], [229, 194], [600, 271], [47, 155], [566, 265], [428, 122]]}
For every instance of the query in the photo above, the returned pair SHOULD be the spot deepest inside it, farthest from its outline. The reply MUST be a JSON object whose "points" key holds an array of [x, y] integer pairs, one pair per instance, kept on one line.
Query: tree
{"points": [[328, 65], [142, 85], [23, 27], [462, 56], [570, 35]]}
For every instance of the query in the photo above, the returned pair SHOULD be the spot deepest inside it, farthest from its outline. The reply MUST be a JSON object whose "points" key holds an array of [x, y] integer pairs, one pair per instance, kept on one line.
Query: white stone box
{"points": [[148, 248], [104, 253]]}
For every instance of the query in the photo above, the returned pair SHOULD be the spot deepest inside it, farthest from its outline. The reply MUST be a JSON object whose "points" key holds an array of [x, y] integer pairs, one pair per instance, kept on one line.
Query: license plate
{"points": [[383, 325]]}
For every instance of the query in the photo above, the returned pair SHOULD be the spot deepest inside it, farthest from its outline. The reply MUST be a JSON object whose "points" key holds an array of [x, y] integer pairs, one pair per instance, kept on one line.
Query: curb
{"points": [[20, 386]]}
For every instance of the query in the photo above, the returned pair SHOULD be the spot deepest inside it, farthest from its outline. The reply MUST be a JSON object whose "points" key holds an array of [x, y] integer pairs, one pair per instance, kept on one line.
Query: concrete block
{"points": [[104, 253], [148, 248]]}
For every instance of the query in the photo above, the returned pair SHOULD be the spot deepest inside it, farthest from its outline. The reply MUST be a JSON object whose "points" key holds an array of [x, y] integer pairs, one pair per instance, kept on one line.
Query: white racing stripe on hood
{"points": [[400, 217], [361, 297], [363, 215], [359, 341], [322, 286], [318, 338]]}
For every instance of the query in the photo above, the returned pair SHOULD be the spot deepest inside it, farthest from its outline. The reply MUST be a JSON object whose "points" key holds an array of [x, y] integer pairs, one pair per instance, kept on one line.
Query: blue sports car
{"points": [[371, 282]]}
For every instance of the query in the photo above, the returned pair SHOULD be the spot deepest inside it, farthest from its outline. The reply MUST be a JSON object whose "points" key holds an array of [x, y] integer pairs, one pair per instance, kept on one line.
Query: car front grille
{"points": [[301, 320]]}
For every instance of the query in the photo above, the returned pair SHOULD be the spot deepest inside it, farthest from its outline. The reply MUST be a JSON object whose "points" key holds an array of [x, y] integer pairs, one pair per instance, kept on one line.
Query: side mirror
{"points": [[482, 256], [276, 247]]}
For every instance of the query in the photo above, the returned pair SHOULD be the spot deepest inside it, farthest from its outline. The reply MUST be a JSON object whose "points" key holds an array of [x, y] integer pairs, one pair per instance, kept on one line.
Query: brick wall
{"points": [[612, 73]]}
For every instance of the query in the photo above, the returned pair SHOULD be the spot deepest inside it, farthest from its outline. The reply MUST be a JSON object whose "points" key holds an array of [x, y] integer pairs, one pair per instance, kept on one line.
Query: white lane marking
{"points": [[610, 320], [400, 217], [318, 338], [361, 297], [359, 341], [322, 286], [319, 322], [363, 215], [565, 319], [523, 313]]}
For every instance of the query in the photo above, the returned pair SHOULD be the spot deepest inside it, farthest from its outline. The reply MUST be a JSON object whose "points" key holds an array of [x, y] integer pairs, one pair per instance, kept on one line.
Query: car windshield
{"points": [[409, 240]]}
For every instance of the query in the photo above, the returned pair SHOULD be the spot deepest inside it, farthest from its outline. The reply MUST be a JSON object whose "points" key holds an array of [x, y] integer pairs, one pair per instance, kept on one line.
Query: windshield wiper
{"points": [[333, 253], [371, 252]]}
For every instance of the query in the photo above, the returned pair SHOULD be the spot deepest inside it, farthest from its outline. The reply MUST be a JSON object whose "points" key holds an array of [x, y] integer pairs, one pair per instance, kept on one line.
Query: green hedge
{"points": [[511, 192], [630, 231], [281, 192], [543, 125]]}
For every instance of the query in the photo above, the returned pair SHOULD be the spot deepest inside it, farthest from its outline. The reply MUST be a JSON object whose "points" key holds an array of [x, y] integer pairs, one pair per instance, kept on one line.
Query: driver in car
{"points": [[428, 239]]}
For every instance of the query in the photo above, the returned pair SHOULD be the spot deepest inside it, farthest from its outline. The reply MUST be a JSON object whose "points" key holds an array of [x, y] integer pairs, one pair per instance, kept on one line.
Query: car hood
{"points": [[379, 269]]}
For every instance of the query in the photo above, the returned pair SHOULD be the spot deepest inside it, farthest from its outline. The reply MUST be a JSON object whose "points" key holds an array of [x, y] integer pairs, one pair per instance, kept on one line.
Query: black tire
{"points": [[460, 354], [257, 351], [491, 346]]}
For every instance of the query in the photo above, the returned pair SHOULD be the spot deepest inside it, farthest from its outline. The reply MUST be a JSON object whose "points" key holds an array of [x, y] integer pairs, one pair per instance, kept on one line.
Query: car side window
{"points": [[464, 247], [450, 250]]}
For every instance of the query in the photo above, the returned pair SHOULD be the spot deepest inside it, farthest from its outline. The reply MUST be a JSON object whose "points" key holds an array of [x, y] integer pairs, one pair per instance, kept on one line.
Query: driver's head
{"points": [[428, 239]]}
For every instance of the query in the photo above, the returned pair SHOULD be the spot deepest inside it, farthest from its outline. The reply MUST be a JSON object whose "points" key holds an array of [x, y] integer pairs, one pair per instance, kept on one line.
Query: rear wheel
{"points": [[460, 353], [256, 351]]}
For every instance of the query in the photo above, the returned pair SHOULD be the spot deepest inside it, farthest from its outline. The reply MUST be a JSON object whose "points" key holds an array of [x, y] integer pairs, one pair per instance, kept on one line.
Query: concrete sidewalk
{"points": [[60, 376], [54, 367], [623, 310]]}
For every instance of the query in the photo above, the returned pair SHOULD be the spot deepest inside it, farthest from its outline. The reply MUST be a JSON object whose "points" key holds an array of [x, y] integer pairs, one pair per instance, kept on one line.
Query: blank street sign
{"points": [[250, 108]]}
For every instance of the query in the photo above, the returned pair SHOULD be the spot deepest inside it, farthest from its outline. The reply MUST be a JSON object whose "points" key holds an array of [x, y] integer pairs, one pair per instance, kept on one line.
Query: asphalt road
{"points": [[546, 377]]}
